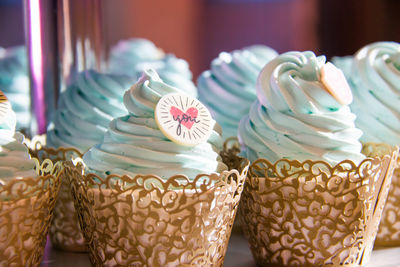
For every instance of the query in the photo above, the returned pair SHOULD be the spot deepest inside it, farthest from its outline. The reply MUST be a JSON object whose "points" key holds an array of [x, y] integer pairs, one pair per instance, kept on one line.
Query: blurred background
{"points": [[198, 30]]}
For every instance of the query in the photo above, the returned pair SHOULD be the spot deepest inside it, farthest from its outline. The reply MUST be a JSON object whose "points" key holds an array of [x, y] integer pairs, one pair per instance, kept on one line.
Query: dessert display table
{"points": [[238, 255]]}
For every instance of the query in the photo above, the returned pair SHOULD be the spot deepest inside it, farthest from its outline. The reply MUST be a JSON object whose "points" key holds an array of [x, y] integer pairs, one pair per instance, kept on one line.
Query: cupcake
{"points": [[374, 78], [160, 183], [14, 82], [27, 193], [84, 111], [311, 198], [231, 81], [132, 57], [296, 117]]}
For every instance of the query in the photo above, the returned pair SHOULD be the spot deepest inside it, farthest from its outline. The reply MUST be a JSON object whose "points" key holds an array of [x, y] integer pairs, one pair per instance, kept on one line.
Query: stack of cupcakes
{"points": [[152, 185], [28, 189], [155, 191]]}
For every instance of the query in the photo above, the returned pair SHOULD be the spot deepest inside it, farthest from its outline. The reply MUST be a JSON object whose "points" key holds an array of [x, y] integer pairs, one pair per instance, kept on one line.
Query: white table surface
{"points": [[238, 255]]}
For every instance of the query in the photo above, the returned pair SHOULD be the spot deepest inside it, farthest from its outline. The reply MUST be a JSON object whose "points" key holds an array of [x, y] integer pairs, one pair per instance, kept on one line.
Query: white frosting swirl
{"points": [[295, 117], [375, 81], [135, 145], [15, 160]]}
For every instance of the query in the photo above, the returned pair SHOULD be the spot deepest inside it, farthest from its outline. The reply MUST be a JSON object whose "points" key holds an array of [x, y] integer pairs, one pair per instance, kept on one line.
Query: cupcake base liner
{"points": [[389, 228], [26, 208], [65, 232], [312, 214], [150, 221]]}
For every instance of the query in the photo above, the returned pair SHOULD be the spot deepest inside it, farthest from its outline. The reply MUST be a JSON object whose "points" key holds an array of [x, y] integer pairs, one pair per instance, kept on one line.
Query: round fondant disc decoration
{"points": [[183, 119], [336, 84]]}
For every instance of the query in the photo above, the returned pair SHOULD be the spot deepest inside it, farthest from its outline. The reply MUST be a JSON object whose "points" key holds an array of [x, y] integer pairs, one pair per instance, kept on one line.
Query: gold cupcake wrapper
{"points": [[150, 221], [26, 208], [38, 149], [230, 152], [229, 155], [65, 232], [312, 214], [389, 228]]}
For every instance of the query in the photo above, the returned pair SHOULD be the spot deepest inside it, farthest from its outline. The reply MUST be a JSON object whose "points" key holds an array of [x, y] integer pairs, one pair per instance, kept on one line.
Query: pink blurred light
{"points": [[36, 62]]}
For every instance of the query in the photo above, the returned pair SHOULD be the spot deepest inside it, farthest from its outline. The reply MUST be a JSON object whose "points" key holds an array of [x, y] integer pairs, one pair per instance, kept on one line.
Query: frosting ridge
{"points": [[231, 82], [86, 108], [375, 82]]}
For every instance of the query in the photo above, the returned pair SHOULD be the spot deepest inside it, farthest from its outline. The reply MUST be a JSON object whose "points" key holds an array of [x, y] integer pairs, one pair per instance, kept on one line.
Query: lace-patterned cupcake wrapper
{"points": [[389, 228], [65, 232], [313, 214], [26, 208], [150, 221], [229, 155]]}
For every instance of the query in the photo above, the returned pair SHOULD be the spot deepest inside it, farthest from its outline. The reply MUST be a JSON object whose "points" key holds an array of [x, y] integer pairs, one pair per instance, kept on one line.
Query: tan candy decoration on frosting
{"points": [[335, 83], [3, 97], [5, 107], [183, 119]]}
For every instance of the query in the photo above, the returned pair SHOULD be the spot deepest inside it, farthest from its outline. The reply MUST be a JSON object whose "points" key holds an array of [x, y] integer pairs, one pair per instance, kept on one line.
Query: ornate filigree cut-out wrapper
{"points": [[65, 232], [26, 208], [389, 228], [150, 221], [229, 155], [230, 152], [312, 214]]}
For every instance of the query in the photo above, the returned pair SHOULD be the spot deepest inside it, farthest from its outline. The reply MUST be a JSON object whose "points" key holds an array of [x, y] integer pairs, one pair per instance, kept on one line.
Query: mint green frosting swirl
{"points": [[135, 145], [375, 81], [15, 160], [14, 82], [127, 53], [344, 63], [173, 71], [132, 57], [229, 88], [295, 117], [86, 108]]}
